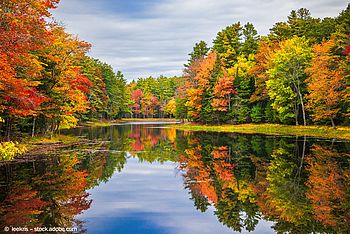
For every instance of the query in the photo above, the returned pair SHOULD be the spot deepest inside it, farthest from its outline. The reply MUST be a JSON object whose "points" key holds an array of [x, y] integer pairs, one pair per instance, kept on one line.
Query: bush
{"points": [[9, 149]]}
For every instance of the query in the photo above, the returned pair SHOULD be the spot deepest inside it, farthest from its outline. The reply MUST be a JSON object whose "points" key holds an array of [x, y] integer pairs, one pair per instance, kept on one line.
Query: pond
{"points": [[152, 178]]}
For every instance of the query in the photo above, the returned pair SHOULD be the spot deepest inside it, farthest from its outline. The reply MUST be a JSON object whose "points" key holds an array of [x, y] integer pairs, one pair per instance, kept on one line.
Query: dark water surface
{"points": [[151, 178]]}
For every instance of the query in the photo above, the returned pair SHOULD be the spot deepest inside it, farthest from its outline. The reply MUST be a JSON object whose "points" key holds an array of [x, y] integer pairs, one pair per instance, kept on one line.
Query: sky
{"points": [[145, 38], [150, 199]]}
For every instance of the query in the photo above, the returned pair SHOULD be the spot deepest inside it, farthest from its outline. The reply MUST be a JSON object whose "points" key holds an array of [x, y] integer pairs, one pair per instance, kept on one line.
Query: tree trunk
{"points": [[333, 125], [33, 128], [296, 109], [302, 107], [8, 128], [297, 90], [302, 157]]}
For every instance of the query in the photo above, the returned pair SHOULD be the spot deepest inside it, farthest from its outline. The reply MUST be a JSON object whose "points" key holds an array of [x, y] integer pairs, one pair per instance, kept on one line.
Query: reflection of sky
{"points": [[150, 198]]}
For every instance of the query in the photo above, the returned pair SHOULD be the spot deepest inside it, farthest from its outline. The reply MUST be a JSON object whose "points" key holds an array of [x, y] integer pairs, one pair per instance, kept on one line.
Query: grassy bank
{"points": [[272, 129], [27, 146], [149, 120], [101, 123], [124, 120]]}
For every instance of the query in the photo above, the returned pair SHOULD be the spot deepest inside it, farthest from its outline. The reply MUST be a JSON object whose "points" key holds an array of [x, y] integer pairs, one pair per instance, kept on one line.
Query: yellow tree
{"points": [[170, 107], [64, 83]]}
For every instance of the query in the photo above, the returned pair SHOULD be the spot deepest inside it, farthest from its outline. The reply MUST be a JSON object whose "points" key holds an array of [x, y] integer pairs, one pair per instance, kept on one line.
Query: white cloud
{"points": [[155, 38], [152, 193]]}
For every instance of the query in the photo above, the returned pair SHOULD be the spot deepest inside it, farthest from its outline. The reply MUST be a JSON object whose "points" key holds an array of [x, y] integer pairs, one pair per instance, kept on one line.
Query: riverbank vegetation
{"points": [[272, 129], [297, 74], [47, 80]]}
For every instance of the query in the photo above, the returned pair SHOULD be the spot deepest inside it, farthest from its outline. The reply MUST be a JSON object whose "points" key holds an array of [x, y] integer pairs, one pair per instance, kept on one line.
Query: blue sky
{"points": [[150, 198], [153, 37]]}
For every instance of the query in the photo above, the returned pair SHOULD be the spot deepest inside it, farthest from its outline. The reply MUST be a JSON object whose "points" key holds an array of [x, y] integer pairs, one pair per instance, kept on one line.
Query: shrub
{"points": [[9, 149]]}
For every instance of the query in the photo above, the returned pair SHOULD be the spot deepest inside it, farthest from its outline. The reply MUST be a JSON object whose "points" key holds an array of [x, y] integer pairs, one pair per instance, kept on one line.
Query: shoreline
{"points": [[124, 120], [341, 132], [319, 131]]}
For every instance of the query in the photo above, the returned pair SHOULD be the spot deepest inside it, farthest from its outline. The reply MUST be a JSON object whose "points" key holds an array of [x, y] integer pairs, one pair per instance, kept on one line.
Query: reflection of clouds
{"points": [[151, 195]]}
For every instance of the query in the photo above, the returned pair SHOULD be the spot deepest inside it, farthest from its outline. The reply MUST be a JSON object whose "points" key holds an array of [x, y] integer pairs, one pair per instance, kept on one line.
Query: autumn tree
{"points": [[136, 97], [200, 84], [63, 81], [223, 91], [170, 107], [286, 78], [149, 105], [200, 51], [23, 35], [325, 83], [159, 91]]}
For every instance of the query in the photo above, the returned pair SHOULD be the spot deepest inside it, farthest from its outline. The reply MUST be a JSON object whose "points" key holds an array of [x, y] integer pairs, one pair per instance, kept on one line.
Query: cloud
{"points": [[153, 37], [150, 195]]}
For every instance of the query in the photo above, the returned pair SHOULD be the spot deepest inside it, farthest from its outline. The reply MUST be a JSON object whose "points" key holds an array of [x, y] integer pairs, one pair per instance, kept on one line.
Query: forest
{"points": [[297, 74]]}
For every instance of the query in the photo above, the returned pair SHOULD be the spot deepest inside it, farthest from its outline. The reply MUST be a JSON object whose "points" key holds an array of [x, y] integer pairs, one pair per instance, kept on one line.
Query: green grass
{"points": [[272, 129]]}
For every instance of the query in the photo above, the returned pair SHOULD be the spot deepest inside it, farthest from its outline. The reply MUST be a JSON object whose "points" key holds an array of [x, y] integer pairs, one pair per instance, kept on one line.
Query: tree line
{"points": [[47, 80], [153, 97], [298, 74]]}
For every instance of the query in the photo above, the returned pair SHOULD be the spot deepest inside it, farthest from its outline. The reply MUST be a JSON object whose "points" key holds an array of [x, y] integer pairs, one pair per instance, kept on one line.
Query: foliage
{"points": [[227, 44], [9, 149], [150, 96], [200, 50], [257, 113], [47, 80], [325, 83], [287, 75], [268, 79], [298, 73]]}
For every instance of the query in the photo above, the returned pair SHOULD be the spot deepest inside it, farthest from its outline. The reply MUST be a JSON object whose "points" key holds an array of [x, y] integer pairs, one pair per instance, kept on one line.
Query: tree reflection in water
{"points": [[300, 184]]}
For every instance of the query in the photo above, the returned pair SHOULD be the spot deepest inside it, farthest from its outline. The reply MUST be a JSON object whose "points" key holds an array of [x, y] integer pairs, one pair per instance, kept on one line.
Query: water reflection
{"points": [[301, 185], [249, 183], [49, 193]]}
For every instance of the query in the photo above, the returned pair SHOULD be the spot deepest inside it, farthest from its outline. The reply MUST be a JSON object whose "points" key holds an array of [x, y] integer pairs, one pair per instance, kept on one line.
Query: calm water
{"points": [[149, 178]]}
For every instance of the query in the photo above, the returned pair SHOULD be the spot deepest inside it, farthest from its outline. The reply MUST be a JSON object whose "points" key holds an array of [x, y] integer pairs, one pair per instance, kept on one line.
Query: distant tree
{"points": [[223, 91], [251, 38], [227, 44], [301, 24], [170, 107], [136, 97], [200, 50]]}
